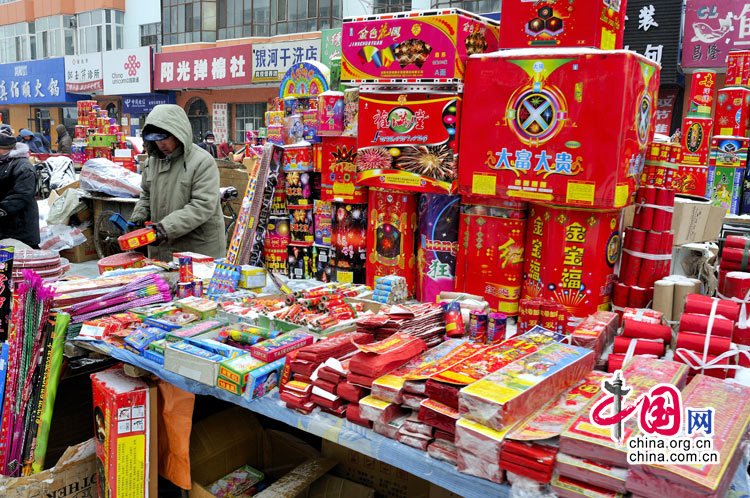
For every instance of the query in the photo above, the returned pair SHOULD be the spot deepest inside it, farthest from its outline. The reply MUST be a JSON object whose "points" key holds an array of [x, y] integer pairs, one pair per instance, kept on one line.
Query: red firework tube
{"points": [[614, 362], [646, 277], [696, 342], [737, 242], [454, 322], [635, 240], [698, 324], [734, 284], [548, 316], [666, 248], [620, 295], [720, 373], [642, 346], [638, 297], [648, 196], [701, 305], [641, 330], [533, 314], [660, 216]]}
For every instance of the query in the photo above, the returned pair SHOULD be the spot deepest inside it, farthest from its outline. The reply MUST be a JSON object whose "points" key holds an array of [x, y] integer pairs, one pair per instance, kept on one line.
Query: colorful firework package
{"points": [[490, 255], [541, 148], [570, 257], [562, 23], [300, 262], [733, 111], [323, 259], [339, 171], [662, 164], [702, 93], [278, 203], [696, 140], [6, 273], [349, 242], [438, 245], [390, 236], [351, 111], [323, 218], [423, 47], [302, 187], [331, 113], [302, 225], [546, 313], [408, 141], [691, 180], [298, 157], [275, 245], [726, 171]]}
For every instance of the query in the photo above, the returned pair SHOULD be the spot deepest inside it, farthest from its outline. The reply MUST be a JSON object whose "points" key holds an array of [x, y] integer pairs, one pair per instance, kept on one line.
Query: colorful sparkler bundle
{"points": [[149, 289]]}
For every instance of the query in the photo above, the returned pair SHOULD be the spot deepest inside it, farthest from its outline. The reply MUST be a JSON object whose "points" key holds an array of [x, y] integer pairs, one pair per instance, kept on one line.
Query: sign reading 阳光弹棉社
{"points": [[34, 82], [712, 29], [209, 68], [272, 60]]}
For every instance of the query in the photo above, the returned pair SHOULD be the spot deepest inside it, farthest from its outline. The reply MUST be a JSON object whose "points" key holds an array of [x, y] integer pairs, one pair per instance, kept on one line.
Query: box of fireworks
{"points": [[408, 141], [490, 255], [423, 47], [539, 149], [158, 345], [204, 308], [275, 134], [194, 329], [728, 151], [570, 257], [297, 157], [691, 180], [323, 270], [696, 140], [82, 252], [273, 349], [702, 93], [101, 140], [264, 379], [724, 187], [124, 416], [323, 219], [154, 356], [124, 157], [339, 171], [300, 261], [302, 188], [252, 277], [142, 337], [391, 232], [237, 370], [349, 242], [302, 225], [738, 65], [331, 113], [559, 23], [732, 115], [274, 118], [438, 245], [310, 126], [153, 310], [276, 242], [192, 362], [213, 343], [387, 480]]}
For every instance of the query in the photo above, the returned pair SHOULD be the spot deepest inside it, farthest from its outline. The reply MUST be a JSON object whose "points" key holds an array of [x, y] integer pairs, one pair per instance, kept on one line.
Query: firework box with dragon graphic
{"points": [[562, 23], [696, 140], [430, 46], [531, 133], [408, 141], [570, 257], [339, 171], [732, 115]]}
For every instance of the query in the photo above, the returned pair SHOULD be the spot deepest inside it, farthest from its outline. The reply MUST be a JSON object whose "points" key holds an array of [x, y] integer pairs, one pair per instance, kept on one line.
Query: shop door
{"points": [[199, 119]]}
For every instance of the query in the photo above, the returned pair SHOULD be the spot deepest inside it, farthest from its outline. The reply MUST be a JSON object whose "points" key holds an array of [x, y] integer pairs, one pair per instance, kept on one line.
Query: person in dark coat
{"points": [[209, 143], [19, 214], [34, 141], [64, 140]]}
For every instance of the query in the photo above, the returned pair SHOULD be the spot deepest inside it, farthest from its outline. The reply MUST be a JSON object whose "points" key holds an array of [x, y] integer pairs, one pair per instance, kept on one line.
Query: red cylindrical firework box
{"points": [[570, 256], [630, 267], [646, 277], [702, 92], [391, 237], [644, 214], [662, 218], [638, 297], [620, 295], [734, 284]]}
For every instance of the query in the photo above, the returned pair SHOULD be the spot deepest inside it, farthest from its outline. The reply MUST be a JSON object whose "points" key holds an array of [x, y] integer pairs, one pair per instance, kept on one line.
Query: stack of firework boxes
{"points": [[714, 147], [98, 135], [530, 140]]}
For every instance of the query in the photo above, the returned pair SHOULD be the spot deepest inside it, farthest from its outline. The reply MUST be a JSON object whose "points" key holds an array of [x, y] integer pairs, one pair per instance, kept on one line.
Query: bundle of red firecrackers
{"points": [[647, 248], [547, 313], [643, 333], [734, 269]]}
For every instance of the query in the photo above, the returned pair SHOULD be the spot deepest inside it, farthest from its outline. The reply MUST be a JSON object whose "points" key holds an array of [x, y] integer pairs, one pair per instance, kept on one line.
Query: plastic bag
{"points": [[65, 206], [104, 176], [62, 171], [60, 237]]}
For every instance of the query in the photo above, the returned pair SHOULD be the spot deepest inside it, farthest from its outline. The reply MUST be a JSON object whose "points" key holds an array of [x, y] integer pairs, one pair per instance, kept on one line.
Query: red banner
{"points": [[209, 68], [664, 108]]}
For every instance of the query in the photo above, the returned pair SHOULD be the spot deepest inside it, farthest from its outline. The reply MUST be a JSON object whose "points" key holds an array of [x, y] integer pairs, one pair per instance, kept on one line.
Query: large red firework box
{"points": [[530, 133], [391, 234], [562, 23], [490, 252], [427, 46], [738, 68], [122, 409], [408, 141], [691, 180], [339, 171], [696, 140], [570, 257], [732, 115], [702, 93]]}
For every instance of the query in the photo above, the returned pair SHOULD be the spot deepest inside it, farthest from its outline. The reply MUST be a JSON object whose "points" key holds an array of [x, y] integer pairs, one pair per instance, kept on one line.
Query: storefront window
{"points": [[99, 29], [17, 42], [248, 117]]}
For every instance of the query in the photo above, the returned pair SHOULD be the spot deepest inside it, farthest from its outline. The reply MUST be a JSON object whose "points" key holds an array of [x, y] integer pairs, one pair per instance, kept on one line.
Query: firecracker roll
{"points": [[647, 271], [389, 430], [531, 460], [413, 441], [616, 361], [734, 284], [698, 324], [443, 451], [620, 295], [715, 345], [662, 221], [351, 392], [349, 242], [694, 360], [376, 359], [642, 330], [642, 346], [630, 268], [479, 449], [437, 245], [491, 252], [379, 411], [354, 415], [596, 331], [570, 256], [699, 304], [644, 214], [391, 236]]}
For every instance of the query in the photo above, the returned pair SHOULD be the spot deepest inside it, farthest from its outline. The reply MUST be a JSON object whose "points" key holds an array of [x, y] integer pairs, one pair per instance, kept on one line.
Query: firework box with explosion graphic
{"points": [[302, 188], [570, 257], [300, 262], [738, 68], [562, 23], [323, 218], [429, 47], [298, 157], [349, 242], [732, 116], [438, 245], [691, 180], [729, 151], [696, 140], [302, 225], [724, 187], [276, 241], [530, 133], [323, 263], [339, 171], [390, 237], [408, 141], [490, 252]]}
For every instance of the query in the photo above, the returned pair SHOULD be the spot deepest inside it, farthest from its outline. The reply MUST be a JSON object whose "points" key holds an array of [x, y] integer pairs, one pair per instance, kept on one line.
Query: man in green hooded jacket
{"points": [[180, 189]]}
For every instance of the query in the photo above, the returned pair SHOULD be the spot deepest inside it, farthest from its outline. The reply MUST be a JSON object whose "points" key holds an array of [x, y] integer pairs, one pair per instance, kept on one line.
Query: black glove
{"points": [[138, 221], [3, 213], [161, 234]]}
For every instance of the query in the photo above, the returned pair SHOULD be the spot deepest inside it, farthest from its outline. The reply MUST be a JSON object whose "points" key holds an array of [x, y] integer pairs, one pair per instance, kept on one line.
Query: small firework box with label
{"points": [[691, 180], [430, 47], [738, 68], [339, 171], [729, 151], [122, 408], [298, 157], [529, 136], [302, 187], [732, 115], [302, 225], [323, 219], [562, 23], [408, 141], [299, 263], [696, 141], [724, 187], [702, 93], [276, 348], [662, 164]]}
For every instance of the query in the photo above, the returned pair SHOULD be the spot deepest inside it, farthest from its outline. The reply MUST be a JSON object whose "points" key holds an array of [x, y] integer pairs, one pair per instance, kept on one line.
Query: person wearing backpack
{"points": [[19, 214]]}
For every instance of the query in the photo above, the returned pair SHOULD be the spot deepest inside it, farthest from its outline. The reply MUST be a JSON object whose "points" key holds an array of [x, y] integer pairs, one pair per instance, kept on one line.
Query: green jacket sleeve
{"points": [[143, 206], [202, 203]]}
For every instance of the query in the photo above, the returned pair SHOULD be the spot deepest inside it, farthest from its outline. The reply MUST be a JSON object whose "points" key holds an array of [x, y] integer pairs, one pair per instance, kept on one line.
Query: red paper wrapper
{"points": [[696, 140], [360, 380], [389, 356], [642, 330], [472, 464], [630, 266], [521, 467], [734, 284], [642, 346], [354, 416], [443, 451], [620, 296], [570, 257], [331, 376], [438, 415], [444, 436], [305, 408], [414, 442], [413, 401], [647, 273], [325, 385], [695, 342], [595, 331], [642, 315], [719, 373], [565, 487], [736, 241], [442, 392], [663, 219], [326, 403], [698, 304], [698, 324], [378, 410], [480, 440], [350, 392]]}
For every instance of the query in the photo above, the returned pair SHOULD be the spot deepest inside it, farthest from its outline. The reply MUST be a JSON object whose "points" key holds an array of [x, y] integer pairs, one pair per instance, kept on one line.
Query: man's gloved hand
{"points": [[3, 213], [161, 234], [138, 221]]}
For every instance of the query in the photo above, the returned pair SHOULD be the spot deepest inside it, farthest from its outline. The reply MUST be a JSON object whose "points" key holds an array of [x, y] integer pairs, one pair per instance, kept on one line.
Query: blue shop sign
{"points": [[144, 103], [35, 82]]}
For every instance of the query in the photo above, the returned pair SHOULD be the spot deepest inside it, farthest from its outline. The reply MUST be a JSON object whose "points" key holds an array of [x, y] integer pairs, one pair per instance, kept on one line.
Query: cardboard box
{"points": [[425, 46], [124, 416], [74, 474], [695, 221], [202, 367], [330, 486], [82, 252], [228, 440], [732, 115], [339, 171], [562, 23], [530, 133]]}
